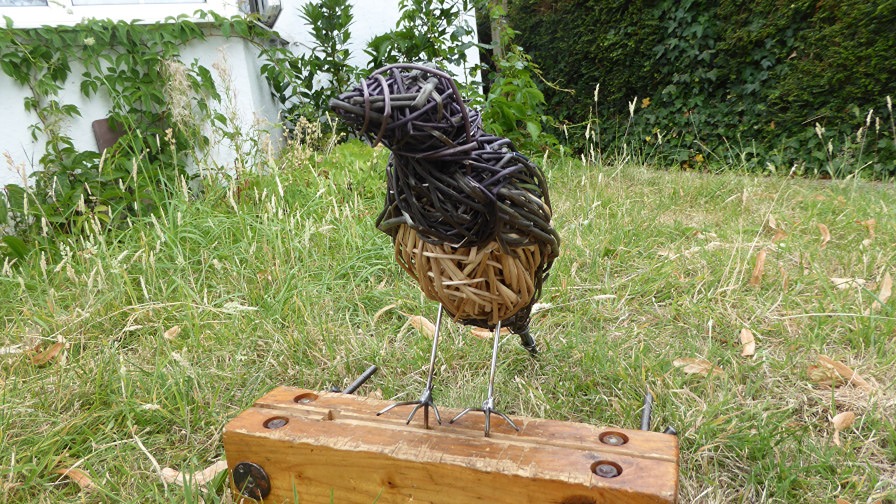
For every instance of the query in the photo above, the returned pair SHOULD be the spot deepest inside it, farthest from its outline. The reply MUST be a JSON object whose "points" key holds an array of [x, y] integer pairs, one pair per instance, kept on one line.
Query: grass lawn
{"points": [[170, 328]]}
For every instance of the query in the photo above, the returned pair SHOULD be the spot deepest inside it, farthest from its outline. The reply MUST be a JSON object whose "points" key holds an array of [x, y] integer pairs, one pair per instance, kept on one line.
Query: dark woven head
{"points": [[411, 109], [458, 190]]}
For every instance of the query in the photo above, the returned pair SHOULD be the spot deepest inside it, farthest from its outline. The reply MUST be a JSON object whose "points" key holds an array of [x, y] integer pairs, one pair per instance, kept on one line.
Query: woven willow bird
{"points": [[468, 215]]}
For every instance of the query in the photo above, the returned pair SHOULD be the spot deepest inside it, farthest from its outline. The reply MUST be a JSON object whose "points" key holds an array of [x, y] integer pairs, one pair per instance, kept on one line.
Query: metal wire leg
{"points": [[425, 400], [528, 342], [488, 406]]}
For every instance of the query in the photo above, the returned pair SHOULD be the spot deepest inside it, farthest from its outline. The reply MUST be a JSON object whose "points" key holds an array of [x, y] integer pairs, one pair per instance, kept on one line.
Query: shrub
{"points": [[743, 83]]}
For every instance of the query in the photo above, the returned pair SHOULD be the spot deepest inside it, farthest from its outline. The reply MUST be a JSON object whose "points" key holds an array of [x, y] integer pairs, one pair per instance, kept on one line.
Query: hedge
{"points": [[769, 84]]}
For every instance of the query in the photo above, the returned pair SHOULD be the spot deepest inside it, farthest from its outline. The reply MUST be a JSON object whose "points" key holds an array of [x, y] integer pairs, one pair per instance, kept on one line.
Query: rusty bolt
{"points": [[275, 423], [613, 439], [251, 480]]}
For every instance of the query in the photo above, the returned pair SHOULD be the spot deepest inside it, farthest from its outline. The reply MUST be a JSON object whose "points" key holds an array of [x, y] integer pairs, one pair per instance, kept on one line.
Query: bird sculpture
{"points": [[469, 216]]}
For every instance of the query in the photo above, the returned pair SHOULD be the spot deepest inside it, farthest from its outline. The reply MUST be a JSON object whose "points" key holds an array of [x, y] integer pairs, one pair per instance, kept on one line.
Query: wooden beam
{"points": [[321, 447]]}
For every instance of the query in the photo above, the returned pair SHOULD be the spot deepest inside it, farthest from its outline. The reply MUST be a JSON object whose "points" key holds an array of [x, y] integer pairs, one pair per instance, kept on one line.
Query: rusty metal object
{"points": [[251, 480]]}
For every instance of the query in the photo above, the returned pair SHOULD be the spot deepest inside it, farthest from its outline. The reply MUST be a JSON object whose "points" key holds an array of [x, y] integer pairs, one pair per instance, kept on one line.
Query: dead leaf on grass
{"points": [[747, 342], [198, 478], [540, 307], [172, 333], [823, 375], [886, 290], [846, 283], [780, 234], [379, 313], [842, 421], [483, 333], [869, 225], [43, 357], [422, 324], [13, 349], [834, 373], [691, 365], [759, 269], [825, 235], [78, 476]]}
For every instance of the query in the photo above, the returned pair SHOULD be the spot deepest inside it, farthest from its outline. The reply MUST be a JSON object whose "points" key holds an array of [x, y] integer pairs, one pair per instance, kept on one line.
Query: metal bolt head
{"points": [[613, 438], [251, 480], [606, 469], [305, 398], [275, 423]]}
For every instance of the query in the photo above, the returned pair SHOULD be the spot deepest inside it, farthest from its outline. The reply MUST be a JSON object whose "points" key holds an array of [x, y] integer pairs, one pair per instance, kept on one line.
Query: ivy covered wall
{"points": [[57, 80]]}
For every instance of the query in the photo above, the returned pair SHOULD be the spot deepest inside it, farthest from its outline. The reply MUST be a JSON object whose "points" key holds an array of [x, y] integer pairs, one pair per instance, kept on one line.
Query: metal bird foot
{"points": [[488, 407], [424, 402]]}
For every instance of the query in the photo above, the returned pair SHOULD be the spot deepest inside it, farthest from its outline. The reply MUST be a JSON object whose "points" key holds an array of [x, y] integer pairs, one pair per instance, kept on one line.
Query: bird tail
{"points": [[528, 341]]}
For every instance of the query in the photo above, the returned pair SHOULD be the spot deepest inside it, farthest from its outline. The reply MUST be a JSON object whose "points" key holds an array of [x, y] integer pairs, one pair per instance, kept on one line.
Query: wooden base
{"points": [[321, 447]]}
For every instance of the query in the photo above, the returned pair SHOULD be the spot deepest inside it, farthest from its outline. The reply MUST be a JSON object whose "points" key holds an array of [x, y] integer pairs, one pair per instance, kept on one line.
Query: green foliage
{"points": [[515, 106], [741, 84], [305, 83], [427, 31], [160, 106], [164, 126], [438, 32], [329, 21], [580, 44]]}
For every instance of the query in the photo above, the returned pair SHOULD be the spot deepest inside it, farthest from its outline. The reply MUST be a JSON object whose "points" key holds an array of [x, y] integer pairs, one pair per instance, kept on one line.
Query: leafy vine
{"points": [[161, 107]]}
